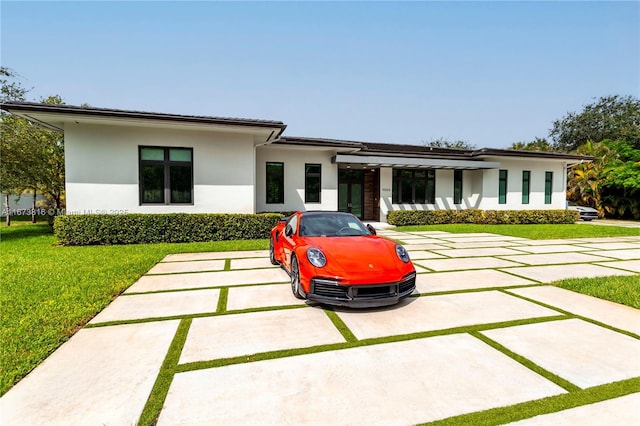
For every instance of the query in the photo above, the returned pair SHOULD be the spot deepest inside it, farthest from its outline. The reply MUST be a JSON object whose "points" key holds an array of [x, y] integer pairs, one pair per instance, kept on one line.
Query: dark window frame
{"points": [[309, 195], [526, 186], [548, 187], [503, 186], [166, 164], [409, 177], [280, 182], [457, 186]]}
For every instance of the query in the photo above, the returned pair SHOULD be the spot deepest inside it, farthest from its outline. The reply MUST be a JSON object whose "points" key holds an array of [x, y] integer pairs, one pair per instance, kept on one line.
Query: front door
{"points": [[350, 191]]}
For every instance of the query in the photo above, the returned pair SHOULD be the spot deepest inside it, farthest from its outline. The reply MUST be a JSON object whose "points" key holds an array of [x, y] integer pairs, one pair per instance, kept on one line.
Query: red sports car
{"points": [[334, 258]]}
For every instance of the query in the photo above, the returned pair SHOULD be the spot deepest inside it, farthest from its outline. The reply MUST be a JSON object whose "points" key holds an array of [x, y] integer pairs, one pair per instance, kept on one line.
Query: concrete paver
{"points": [[629, 265], [471, 252], [158, 305], [261, 296], [612, 246], [207, 279], [624, 410], [463, 280], [465, 263], [620, 254], [422, 254], [549, 273], [180, 267], [555, 248], [439, 313], [583, 353], [182, 257], [550, 258], [249, 333], [481, 244], [260, 262], [100, 376], [604, 311], [397, 383]]}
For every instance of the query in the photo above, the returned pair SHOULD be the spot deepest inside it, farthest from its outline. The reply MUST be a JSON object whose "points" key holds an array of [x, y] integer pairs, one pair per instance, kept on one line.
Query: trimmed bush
{"points": [[79, 230], [481, 217]]}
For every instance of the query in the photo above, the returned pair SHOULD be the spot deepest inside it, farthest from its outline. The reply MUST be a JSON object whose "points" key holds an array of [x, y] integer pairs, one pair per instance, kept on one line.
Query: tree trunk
{"points": [[8, 210], [33, 207]]}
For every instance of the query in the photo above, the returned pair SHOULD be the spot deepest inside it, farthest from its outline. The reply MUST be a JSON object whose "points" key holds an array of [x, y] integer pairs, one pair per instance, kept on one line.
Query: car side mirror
{"points": [[288, 231], [371, 229]]}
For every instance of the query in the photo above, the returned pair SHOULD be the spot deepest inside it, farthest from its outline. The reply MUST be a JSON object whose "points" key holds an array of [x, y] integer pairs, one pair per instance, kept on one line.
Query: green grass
{"points": [[48, 292], [619, 289], [534, 232]]}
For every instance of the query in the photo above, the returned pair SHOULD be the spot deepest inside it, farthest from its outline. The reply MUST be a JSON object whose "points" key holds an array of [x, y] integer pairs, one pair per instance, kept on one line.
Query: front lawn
{"points": [[48, 292]]}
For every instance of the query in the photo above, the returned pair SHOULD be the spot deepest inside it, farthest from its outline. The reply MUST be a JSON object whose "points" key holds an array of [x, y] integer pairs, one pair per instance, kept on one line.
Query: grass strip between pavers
{"points": [[551, 404], [564, 384], [160, 388], [341, 326], [284, 353], [223, 296], [572, 315]]}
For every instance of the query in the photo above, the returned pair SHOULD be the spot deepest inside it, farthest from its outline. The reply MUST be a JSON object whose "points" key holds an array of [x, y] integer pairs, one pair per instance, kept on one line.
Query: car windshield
{"points": [[331, 225]]}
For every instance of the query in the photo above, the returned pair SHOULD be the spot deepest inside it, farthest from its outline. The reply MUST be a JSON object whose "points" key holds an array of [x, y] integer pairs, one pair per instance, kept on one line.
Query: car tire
{"points": [[272, 254], [295, 278]]}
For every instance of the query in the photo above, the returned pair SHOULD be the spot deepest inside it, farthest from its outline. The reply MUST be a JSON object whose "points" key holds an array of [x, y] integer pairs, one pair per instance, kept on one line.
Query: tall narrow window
{"points": [[275, 183], [548, 187], [413, 186], [457, 187], [526, 184], [502, 187], [312, 183], [166, 175]]}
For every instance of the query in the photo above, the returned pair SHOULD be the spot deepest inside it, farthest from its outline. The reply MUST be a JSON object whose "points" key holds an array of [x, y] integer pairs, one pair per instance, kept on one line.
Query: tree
{"points": [[32, 157], [445, 143], [610, 117], [538, 144]]}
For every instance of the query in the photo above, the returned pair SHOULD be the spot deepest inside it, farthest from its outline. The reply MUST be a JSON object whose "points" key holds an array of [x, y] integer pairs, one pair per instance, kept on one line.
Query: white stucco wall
{"points": [[515, 168], [102, 169], [294, 160]]}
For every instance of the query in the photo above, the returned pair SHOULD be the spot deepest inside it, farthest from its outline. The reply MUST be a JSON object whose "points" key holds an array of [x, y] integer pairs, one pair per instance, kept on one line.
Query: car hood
{"points": [[360, 255]]}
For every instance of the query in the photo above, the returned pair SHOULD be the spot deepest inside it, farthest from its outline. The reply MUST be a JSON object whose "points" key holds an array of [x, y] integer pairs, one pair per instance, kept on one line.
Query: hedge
{"points": [[76, 230], [482, 217]]}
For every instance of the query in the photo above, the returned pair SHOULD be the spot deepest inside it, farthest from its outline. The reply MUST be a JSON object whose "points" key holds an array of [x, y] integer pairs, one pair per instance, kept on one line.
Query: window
{"points": [[312, 183], [548, 187], [502, 187], [166, 175], [526, 183], [414, 186], [457, 187], [275, 183]]}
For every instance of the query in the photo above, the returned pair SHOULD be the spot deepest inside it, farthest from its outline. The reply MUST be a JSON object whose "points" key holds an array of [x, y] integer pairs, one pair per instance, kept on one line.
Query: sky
{"points": [[488, 73]]}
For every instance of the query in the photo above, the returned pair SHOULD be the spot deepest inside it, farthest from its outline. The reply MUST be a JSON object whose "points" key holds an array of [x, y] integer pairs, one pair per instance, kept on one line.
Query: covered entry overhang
{"points": [[374, 161]]}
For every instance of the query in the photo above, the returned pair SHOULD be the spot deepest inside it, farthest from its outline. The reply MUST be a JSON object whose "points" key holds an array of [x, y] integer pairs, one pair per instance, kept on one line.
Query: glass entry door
{"points": [[350, 191]]}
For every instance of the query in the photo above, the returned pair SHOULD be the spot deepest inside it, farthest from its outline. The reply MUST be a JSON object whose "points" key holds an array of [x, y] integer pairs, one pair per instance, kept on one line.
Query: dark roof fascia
{"points": [[530, 154], [302, 141], [31, 107]]}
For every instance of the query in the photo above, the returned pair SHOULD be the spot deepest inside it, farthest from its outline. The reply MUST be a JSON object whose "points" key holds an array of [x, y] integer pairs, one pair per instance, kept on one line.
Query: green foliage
{"points": [[610, 117], [538, 144], [445, 143], [485, 217], [611, 182], [76, 230]]}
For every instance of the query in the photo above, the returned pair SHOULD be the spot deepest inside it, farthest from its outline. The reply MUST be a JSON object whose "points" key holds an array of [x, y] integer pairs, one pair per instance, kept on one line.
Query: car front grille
{"points": [[327, 288]]}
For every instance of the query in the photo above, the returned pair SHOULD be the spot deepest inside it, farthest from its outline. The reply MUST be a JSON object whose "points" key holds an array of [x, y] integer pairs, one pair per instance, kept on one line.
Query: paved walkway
{"points": [[217, 338]]}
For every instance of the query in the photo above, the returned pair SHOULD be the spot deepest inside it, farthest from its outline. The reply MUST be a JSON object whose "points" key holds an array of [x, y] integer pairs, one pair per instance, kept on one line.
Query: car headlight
{"points": [[402, 253], [316, 257]]}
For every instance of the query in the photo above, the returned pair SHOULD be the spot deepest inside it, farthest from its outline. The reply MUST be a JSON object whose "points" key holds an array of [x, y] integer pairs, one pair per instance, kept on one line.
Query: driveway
{"points": [[217, 338]]}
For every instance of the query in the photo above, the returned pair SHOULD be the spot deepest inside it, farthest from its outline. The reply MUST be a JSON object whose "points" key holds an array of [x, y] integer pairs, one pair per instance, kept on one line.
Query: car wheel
{"points": [[272, 254], [295, 278]]}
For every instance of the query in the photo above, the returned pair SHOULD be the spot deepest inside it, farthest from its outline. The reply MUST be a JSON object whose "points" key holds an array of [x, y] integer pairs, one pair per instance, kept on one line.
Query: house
{"points": [[121, 161]]}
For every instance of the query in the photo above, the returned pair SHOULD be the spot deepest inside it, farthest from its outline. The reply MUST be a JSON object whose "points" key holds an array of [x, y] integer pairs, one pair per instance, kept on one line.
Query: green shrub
{"points": [[481, 217], [79, 230]]}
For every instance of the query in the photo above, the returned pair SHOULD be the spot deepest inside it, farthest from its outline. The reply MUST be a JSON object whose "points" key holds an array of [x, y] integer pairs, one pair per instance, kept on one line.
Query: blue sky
{"points": [[490, 73]]}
